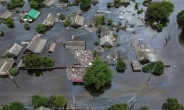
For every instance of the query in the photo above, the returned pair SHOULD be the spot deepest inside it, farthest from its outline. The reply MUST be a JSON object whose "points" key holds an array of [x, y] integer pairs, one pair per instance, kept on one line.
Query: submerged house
{"points": [[36, 45], [15, 49], [79, 45], [78, 20], [5, 65], [32, 15], [125, 1], [50, 20], [91, 23], [6, 14], [106, 37], [49, 2]]}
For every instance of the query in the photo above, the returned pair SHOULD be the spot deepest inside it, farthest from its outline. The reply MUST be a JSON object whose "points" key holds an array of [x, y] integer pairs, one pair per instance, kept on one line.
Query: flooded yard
{"points": [[123, 86]]}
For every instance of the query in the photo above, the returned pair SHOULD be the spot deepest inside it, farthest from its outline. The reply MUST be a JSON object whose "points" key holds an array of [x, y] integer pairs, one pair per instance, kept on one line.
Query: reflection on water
{"points": [[96, 93], [36, 73], [181, 35]]}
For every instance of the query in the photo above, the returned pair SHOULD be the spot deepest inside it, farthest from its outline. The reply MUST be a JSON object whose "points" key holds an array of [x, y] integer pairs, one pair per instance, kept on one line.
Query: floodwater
{"points": [[123, 85]]}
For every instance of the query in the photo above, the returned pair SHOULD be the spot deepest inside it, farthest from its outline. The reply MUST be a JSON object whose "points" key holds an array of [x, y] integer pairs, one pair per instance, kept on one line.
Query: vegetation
{"points": [[13, 106], [63, 1], [140, 11], [137, 5], [67, 23], [13, 71], [36, 4], [26, 26], [119, 107], [85, 3], [99, 20], [14, 4], [41, 28], [144, 108], [172, 104], [33, 61], [108, 4], [9, 22], [158, 70], [160, 10], [9, 55], [59, 101], [117, 3], [38, 100], [109, 21], [181, 15], [96, 42], [99, 29], [146, 2], [62, 16], [121, 65], [159, 27], [95, 54], [98, 74]]}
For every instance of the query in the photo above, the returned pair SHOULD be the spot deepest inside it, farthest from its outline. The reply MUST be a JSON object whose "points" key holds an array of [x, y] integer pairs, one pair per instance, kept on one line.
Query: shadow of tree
{"points": [[36, 73]]}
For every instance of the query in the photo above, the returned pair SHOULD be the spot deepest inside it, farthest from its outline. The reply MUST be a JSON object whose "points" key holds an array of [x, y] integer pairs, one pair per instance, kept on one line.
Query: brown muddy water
{"points": [[123, 85]]}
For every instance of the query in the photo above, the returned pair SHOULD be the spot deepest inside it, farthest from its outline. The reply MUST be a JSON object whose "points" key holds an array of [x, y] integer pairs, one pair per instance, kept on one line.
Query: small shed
{"points": [[36, 45], [50, 20], [91, 23], [77, 80], [136, 66], [6, 14], [78, 20], [32, 14], [79, 12], [43, 108], [52, 47], [5, 65], [125, 1], [15, 49], [79, 45]]}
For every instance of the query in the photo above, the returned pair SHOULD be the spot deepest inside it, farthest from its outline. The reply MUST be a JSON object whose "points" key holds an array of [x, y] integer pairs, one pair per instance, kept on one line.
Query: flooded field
{"points": [[123, 85]]}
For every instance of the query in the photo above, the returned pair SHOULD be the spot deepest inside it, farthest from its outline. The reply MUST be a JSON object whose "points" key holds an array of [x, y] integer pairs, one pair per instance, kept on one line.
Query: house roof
{"points": [[105, 31], [5, 65], [136, 66], [106, 40], [42, 108], [6, 14], [15, 49], [50, 20], [49, 2], [33, 13], [76, 79], [52, 47], [37, 44], [125, 1], [78, 20], [91, 23], [79, 12], [20, 64], [75, 45]]}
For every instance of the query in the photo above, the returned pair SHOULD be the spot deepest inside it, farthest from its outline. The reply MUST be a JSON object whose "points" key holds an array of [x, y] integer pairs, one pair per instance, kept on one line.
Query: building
{"points": [[20, 64], [5, 65], [136, 66], [43, 108], [32, 15], [79, 12], [15, 49], [52, 47], [91, 23], [49, 2], [80, 45], [125, 1], [36, 45], [6, 14], [78, 20], [50, 20], [106, 37], [77, 80]]}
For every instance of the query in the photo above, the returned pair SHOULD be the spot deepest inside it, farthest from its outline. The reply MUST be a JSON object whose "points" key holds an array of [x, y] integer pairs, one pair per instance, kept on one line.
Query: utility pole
{"points": [[133, 98], [152, 72], [74, 100], [12, 79]]}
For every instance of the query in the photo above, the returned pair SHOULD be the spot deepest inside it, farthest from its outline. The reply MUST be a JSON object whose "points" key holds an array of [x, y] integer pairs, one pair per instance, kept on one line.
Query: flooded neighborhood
{"points": [[73, 43]]}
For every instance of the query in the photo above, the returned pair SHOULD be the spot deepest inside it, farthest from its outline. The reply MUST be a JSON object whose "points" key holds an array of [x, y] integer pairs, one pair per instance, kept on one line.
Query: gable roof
{"points": [[37, 44], [33, 13], [78, 20], [42, 108], [75, 45], [15, 49], [50, 20], [5, 65], [106, 40], [6, 14]]}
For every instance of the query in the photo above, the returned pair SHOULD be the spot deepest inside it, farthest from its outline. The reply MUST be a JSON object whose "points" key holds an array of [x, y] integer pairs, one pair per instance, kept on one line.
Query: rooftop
{"points": [[33, 14], [5, 65], [75, 45], [15, 49], [78, 20], [50, 20]]}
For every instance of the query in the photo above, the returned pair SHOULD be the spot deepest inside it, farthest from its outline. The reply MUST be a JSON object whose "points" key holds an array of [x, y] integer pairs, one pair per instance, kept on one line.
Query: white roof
{"points": [[121, 17], [15, 49]]}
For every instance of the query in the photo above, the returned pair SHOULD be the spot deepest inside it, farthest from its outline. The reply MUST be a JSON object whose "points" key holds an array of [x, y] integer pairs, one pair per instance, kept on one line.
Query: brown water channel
{"points": [[123, 85]]}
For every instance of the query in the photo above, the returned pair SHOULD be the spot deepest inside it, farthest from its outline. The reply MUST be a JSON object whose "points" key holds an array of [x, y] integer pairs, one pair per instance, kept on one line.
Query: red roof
{"points": [[75, 79]]}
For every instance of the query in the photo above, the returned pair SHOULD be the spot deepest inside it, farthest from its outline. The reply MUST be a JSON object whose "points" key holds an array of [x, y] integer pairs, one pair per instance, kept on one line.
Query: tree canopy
{"points": [[117, 3], [99, 20], [85, 3], [98, 74], [62, 16], [160, 10], [144, 108], [41, 28], [181, 15], [121, 65], [9, 55], [26, 26], [36, 4], [36, 61], [119, 107], [13, 71], [172, 104], [59, 101], [38, 101], [158, 70], [9, 22], [14, 4], [67, 23], [13, 106]]}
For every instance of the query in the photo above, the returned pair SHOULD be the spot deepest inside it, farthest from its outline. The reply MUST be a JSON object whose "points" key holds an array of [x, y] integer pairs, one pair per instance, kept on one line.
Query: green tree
{"points": [[67, 23], [117, 3], [13, 71], [119, 107], [36, 4], [158, 70], [51, 102], [47, 62], [59, 101], [160, 10], [121, 65], [108, 4], [26, 26], [41, 28], [14, 4], [63, 1], [9, 55], [62, 16], [85, 3], [38, 100], [99, 20], [181, 15], [9, 22], [144, 108], [146, 2], [13, 106], [172, 104], [159, 27], [98, 74], [109, 21], [95, 54]]}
